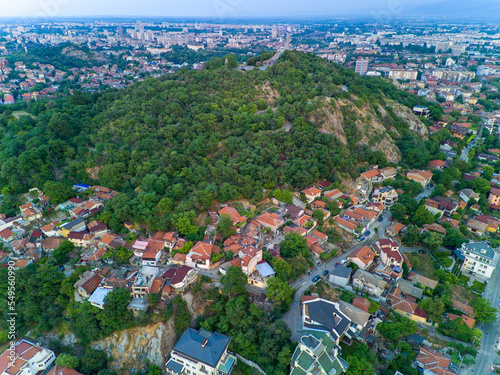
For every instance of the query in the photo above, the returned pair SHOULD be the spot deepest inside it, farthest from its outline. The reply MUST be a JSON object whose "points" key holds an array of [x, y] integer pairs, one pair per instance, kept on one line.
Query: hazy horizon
{"points": [[245, 9]]}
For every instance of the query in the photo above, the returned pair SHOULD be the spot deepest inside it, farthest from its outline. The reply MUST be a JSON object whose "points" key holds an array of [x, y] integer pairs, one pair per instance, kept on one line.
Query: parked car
{"points": [[360, 239], [367, 233], [316, 278], [391, 219], [422, 252], [343, 261], [380, 218], [337, 264], [325, 272]]}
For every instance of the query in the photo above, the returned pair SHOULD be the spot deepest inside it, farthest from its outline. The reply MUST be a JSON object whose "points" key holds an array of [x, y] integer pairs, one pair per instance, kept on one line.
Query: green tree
{"points": [[485, 313], [61, 254], [434, 307], [423, 216], [481, 185], [411, 236], [57, 192], [67, 360], [115, 314], [279, 292], [432, 240], [453, 238], [93, 360], [225, 226], [234, 281], [398, 211], [294, 244]]}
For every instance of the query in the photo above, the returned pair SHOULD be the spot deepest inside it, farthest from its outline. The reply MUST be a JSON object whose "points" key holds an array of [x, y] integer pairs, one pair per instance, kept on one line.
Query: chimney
{"points": [[204, 343]]}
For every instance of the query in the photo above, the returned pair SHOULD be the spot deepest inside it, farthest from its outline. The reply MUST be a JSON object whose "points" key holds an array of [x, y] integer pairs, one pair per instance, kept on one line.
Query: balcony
{"points": [[226, 364]]}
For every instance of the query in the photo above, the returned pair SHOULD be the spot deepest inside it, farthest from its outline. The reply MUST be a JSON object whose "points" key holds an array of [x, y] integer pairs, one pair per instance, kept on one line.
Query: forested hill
{"points": [[180, 143]]}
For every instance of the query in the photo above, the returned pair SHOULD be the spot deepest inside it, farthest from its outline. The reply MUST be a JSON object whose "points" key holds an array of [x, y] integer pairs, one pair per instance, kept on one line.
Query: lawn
{"points": [[478, 287], [446, 262], [425, 265], [463, 279]]}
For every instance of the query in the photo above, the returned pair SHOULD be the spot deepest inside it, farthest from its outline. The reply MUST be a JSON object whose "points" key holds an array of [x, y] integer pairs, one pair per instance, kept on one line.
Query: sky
{"points": [[224, 9]]}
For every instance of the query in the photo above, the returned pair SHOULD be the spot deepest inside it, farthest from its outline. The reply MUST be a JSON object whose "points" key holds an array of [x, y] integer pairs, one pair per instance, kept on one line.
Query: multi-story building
{"points": [[30, 359], [494, 198], [316, 354], [479, 260], [361, 66], [201, 353], [385, 195]]}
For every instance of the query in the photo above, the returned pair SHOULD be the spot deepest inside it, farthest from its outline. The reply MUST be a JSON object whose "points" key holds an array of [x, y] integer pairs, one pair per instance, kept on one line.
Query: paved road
{"points": [[487, 353], [427, 192], [465, 152], [293, 316]]}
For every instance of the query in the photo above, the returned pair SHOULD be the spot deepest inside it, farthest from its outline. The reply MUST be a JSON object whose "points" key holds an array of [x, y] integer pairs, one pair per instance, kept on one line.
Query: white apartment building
{"points": [[479, 260], [30, 359]]}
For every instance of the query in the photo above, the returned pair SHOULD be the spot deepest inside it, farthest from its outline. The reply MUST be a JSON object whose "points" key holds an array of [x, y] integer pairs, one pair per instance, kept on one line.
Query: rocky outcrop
{"points": [[370, 130], [131, 348], [411, 119], [373, 127]]}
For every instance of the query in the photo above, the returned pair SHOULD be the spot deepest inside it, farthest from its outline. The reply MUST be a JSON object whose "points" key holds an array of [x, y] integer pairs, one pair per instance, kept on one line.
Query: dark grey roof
{"points": [[190, 344], [328, 317], [341, 271], [73, 223], [479, 248], [415, 339], [174, 366]]}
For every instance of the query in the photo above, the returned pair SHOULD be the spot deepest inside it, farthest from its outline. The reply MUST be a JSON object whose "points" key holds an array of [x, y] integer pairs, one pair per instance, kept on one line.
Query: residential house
{"points": [[460, 306], [494, 198], [385, 195], [52, 243], [50, 229], [143, 282], [422, 280], [7, 235], [358, 317], [180, 278], [394, 229], [407, 308], [467, 194], [489, 158], [200, 255], [340, 276], [372, 175], [201, 353], [437, 165], [388, 172], [362, 256], [441, 205], [29, 212], [362, 303], [311, 194], [270, 220], [333, 194], [458, 131], [408, 289], [430, 361], [446, 220], [476, 227], [422, 177], [491, 221], [317, 354], [151, 256], [80, 239], [388, 250], [26, 358], [88, 283], [77, 225], [263, 272], [322, 315], [236, 218], [370, 283], [59, 370], [347, 224], [480, 260]]}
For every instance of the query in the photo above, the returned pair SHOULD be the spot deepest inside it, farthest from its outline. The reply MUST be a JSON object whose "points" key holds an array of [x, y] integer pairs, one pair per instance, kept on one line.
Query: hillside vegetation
{"points": [[177, 144]]}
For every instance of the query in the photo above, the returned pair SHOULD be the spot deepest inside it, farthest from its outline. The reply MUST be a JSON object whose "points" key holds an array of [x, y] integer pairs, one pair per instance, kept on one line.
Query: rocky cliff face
{"points": [[411, 119], [131, 348], [370, 126]]}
